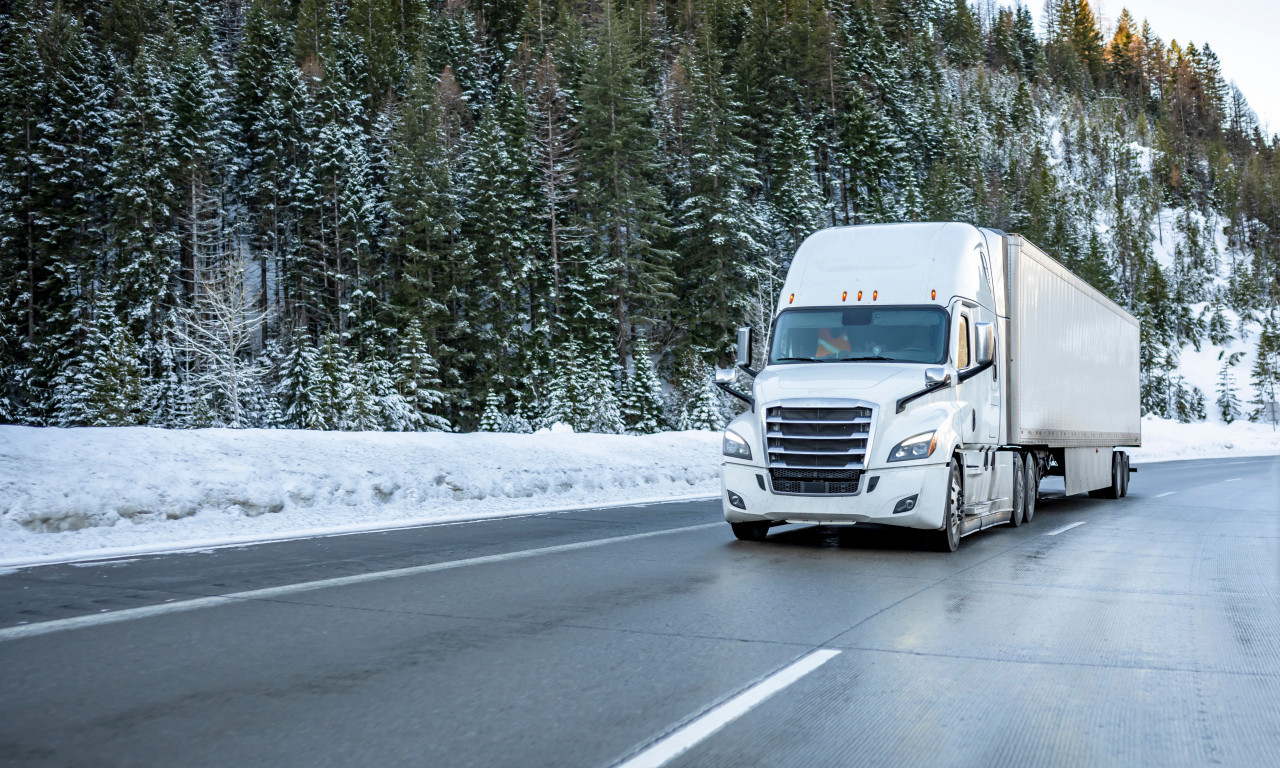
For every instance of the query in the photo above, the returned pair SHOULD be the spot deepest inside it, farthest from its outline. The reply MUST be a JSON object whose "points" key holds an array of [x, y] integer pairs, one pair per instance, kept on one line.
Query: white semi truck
{"points": [[928, 376]]}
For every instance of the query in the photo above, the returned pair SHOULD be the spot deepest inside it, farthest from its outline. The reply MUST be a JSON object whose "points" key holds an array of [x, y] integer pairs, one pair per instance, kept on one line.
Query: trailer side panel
{"points": [[1073, 367]]}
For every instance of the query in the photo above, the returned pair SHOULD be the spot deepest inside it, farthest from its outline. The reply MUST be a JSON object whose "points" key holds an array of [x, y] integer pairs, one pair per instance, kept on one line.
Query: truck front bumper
{"points": [[869, 505]]}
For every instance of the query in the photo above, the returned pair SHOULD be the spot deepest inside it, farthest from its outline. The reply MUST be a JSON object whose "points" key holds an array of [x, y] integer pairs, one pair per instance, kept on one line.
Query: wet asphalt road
{"points": [[1149, 635]]}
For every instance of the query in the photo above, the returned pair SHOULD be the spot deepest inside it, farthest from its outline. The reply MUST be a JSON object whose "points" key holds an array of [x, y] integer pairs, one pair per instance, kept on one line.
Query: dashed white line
{"points": [[1065, 528], [1233, 480], [271, 593], [1162, 495], [681, 740]]}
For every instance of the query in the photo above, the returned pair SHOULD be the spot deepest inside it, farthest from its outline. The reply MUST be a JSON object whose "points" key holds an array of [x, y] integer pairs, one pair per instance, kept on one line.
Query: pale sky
{"points": [[1244, 34]]}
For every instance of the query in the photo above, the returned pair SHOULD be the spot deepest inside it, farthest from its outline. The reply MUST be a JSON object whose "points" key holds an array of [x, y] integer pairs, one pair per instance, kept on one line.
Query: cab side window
{"points": [[962, 346]]}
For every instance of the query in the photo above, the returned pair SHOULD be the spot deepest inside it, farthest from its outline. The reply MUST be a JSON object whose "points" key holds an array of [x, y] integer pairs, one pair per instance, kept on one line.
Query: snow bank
{"points": [[70, 494], [1166, 440], [66, 492]]}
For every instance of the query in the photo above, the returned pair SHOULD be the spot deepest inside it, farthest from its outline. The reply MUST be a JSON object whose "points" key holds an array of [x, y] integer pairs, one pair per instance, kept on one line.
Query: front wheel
{"points": [[750, 531], [948, 539]]}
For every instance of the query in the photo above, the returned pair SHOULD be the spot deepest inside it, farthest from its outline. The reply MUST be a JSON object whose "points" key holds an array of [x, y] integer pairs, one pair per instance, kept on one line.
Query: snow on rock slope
{"points": [[72, 492]]}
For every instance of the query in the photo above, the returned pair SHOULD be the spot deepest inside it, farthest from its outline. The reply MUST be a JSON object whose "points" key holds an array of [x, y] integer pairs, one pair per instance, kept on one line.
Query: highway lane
{"points": [[1148, 634]]}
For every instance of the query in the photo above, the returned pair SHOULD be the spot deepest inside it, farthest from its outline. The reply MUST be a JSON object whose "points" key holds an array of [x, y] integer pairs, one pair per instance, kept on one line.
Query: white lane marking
{"points": [[270, 593], [1233, 480], [354, 529], [1065, 528], [683, 739], [1162, 495]]}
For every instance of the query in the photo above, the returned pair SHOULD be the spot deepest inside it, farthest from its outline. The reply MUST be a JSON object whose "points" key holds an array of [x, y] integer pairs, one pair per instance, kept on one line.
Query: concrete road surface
{"points": [[1144, 631]]}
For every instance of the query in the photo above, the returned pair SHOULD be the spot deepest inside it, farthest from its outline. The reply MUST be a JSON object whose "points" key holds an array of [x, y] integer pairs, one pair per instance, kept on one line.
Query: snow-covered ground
{"points": [[68, 494], [1167, 440], [72, 493]]}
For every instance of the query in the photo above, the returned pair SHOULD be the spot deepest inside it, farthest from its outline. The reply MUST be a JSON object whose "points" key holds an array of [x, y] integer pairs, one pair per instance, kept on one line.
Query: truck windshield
{"points": [[899, 334]]}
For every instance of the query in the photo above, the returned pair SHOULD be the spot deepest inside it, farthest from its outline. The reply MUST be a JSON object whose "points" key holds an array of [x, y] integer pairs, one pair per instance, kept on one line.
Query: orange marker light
{"points": [[793, 298], [933, 294], [859, 295], [844, 296], [874, 295]]}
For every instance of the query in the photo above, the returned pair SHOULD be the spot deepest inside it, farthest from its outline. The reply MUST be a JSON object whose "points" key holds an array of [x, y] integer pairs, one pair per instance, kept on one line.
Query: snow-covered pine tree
{"points": [[620, 197], [504, 237], [642, 405], [1266, 372], [720, 229], [361, 406], [704, 410], [600, 410], [103, 387], [294, 389], [332, 369], [491, 419], [1227, 402], [417, 382]]}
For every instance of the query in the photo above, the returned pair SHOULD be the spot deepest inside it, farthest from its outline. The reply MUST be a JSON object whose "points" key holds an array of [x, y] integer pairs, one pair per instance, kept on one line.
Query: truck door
{"points": [[975, 400]]}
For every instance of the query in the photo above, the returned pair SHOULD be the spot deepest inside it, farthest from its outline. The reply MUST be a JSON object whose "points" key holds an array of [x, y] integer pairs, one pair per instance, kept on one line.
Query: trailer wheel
{"points": [[1116, 489], [1032, 475], [750, 531], [1019, 491], [948, 539], [1124, 475]]}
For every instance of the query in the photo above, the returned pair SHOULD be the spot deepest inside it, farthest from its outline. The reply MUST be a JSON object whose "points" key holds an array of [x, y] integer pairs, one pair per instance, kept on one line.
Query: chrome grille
{"points": [[817, 438], [815, 481]]}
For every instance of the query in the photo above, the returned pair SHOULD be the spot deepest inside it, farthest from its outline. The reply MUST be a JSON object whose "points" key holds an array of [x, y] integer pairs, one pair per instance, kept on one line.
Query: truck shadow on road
{"points": [[872, 537]]}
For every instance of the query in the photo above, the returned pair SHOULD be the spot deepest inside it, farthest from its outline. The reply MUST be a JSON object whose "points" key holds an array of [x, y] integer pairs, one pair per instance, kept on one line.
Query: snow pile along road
{"points": [[1167, 440], [65, 491]]}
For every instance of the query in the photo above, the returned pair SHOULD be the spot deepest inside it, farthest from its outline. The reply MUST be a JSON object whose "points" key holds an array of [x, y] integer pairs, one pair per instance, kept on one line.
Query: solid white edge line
{"points": [[354, 529], [1065, 528], [688, 736], [270, 593], [1162, 495]]}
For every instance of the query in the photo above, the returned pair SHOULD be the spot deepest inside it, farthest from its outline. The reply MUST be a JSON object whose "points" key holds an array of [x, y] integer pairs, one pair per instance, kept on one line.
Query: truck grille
{"points": [[815, 481], [817, 438]]}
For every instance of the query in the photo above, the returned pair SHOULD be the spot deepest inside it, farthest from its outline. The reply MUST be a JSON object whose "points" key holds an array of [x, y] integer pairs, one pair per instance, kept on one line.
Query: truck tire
{"points": [[1032, 484], [948, 539], [1124, 475], [750, 531], [1116, 489], [1019, 491]]}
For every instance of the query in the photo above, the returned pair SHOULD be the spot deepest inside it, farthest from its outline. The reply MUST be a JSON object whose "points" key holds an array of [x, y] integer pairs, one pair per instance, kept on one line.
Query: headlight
{"points": [[919, 447], [735, 446]]}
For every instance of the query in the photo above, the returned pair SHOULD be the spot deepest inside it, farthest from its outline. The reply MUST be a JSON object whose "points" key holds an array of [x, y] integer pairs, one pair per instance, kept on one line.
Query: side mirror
{"points": [[986, 338], [725, 375], [744, 346], [937, 377]]}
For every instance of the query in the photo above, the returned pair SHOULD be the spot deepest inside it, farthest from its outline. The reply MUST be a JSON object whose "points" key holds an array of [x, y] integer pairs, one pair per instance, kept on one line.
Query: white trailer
{"points": [[928, 376]]}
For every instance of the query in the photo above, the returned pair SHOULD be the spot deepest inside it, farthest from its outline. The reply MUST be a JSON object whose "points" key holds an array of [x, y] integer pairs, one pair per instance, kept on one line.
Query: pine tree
{"points": [[619, 192], [721, 230], [492, 418], [295, 388], [642, 405], [703, 410], [327, 390], [1266, 371], [1228, 403], [417, 381]]}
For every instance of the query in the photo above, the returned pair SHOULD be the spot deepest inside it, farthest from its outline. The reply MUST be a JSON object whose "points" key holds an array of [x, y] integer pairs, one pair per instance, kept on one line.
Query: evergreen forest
{"points": [[503, 214]]}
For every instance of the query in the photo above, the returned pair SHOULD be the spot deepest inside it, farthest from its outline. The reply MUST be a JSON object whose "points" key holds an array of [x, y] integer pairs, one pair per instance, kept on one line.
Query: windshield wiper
{"points": [[861, 359], [799, 360]]}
